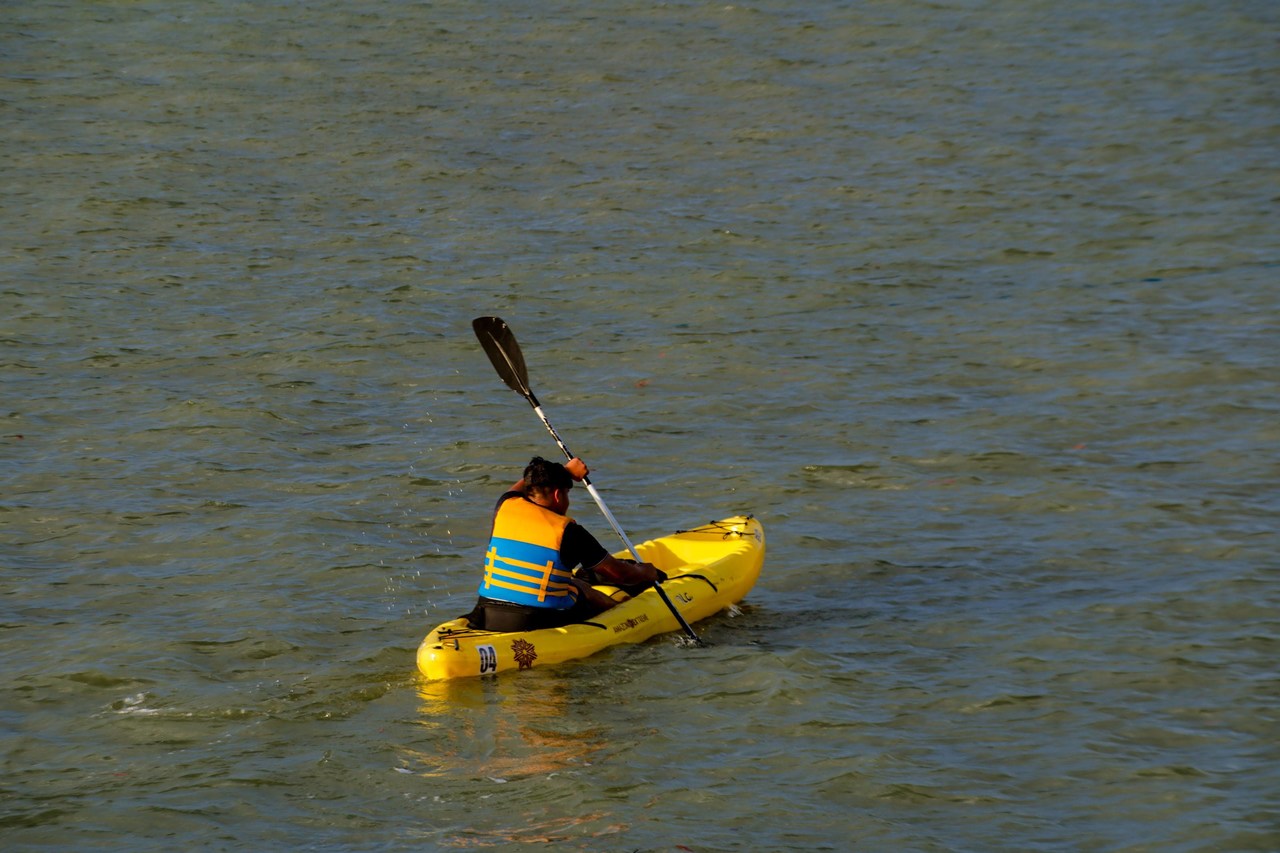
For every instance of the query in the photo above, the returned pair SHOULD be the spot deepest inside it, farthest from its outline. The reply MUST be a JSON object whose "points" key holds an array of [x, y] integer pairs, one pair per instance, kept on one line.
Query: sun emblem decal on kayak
{"points": [[524, 652]]}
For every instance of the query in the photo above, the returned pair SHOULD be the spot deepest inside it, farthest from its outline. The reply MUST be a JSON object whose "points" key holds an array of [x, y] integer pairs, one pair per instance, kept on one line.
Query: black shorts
{"points": [[490, 615]]}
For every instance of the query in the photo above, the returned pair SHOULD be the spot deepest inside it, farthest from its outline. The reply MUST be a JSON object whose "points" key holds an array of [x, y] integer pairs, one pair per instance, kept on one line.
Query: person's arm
{"points": [[594, 597], [626, 572], [580, 548]]}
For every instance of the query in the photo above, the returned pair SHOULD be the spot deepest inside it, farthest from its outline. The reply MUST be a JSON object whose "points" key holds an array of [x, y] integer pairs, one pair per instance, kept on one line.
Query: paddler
{"points": [[534, 547]]}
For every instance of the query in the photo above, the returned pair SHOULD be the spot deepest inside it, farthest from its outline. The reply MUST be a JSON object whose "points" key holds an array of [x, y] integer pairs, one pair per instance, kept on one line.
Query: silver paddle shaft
{"points": [[586, 481]]}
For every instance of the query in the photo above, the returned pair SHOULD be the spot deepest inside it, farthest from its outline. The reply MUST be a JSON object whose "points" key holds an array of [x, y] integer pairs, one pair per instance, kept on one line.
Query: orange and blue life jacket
{"points": [[522, 564]]}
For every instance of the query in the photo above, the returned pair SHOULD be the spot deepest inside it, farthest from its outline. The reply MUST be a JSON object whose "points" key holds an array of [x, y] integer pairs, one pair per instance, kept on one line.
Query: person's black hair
{"points": [[546, 477]]}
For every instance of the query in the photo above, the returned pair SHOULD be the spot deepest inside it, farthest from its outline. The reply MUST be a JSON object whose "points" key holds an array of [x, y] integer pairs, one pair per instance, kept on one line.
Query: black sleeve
{"points": [[580, 548]]}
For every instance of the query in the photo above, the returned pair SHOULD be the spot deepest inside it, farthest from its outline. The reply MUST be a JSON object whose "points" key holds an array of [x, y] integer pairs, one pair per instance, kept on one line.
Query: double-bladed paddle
{"points": [[500, 344]]}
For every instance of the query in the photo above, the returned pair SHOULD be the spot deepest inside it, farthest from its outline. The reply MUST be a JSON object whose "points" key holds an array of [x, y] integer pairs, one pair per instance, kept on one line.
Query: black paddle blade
{"points": [[500, 345]]}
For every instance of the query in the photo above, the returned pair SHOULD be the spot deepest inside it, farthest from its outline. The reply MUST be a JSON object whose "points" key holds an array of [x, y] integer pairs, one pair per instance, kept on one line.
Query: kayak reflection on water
{"points": [[500, 729]]}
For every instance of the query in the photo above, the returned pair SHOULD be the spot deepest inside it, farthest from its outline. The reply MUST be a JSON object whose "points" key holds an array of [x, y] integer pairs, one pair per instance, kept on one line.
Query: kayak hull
{"points": [[708, 569]]}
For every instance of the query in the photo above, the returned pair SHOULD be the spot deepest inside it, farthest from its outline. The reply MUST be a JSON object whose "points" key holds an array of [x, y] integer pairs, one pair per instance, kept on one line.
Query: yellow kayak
{"points": [[708, 569]]}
